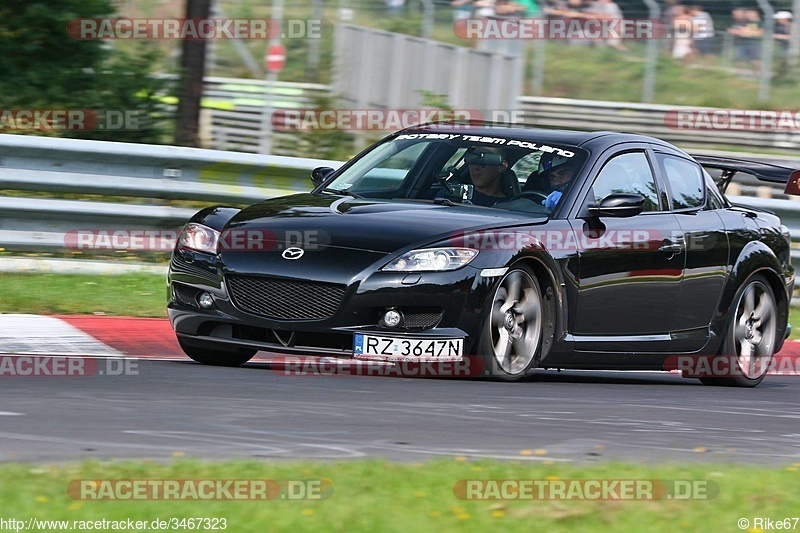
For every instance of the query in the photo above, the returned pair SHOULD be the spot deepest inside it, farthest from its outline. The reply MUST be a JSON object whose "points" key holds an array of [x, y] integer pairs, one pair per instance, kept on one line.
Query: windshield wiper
{"points": [[340, 192]]}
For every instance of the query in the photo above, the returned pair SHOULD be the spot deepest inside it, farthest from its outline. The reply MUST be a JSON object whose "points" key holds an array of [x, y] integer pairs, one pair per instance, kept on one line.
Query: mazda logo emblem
{"points": [[293, 253]]}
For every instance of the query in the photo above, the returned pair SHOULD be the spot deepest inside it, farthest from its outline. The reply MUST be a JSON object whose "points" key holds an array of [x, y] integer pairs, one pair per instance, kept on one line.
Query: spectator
{"points": [[783, 29], [485, 8], [394, 7], [518, 8], [569, 9], [702, 31], [747, 32], [555, 6], [682, 38], [739, 21], [608, 10], [782, 34], [462, 9], [669, 12], [668, 17]]}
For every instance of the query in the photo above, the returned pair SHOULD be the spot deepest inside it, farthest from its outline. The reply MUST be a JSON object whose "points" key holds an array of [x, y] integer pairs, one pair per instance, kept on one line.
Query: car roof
{"points": [[539, 135]]}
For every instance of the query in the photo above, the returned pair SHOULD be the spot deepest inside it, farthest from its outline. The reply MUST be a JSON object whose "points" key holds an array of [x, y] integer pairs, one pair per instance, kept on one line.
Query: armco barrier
{"points": [[147, 177], [647, 119]]}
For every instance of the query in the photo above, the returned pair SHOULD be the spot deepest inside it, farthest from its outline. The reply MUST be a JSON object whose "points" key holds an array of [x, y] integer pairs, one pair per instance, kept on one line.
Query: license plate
{"points": [[400, 349]]}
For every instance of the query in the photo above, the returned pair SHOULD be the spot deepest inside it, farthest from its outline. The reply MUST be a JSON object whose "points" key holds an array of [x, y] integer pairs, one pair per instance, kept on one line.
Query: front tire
{"points": [[220, 357], [751, 335], [511, 339]]}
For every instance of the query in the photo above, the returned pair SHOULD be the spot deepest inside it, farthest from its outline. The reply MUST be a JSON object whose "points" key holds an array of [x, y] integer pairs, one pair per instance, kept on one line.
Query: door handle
{"points": [[670, 247]]}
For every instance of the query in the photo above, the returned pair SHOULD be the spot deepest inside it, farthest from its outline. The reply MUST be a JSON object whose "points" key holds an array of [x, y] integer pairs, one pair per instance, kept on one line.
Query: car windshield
{"points": [[454, 168]]}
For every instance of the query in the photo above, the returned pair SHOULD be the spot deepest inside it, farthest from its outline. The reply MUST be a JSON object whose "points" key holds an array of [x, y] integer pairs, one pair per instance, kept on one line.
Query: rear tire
{"points": [[219, 357], [511, 339], [751, 335]]}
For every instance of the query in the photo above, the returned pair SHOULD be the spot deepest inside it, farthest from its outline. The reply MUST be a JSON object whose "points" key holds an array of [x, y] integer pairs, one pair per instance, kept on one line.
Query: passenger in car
{"points": [[538, 180], [559, 177]]}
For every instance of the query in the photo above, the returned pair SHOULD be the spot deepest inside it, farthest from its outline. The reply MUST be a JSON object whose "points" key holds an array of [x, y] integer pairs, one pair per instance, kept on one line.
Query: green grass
{"points": [[380, 496], [48, 294], [605, 74], [794, 320]]}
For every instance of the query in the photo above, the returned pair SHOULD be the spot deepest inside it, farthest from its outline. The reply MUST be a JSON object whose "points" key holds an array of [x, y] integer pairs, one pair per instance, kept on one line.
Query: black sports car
{"points": [[527, 248]]}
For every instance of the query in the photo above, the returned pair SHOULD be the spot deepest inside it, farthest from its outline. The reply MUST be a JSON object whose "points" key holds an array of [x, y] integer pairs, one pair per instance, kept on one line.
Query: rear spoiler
{"points": [[762, 171]]}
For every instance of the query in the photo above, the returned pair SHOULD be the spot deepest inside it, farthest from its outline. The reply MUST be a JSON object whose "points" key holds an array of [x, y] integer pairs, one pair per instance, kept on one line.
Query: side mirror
{"points": [[320, 174], [618, 205]]}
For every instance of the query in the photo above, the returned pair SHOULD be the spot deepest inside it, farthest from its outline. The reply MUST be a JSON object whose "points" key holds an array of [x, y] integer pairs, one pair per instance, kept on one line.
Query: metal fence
{"points": [[379, 69], [233, 109], [765, 49]]}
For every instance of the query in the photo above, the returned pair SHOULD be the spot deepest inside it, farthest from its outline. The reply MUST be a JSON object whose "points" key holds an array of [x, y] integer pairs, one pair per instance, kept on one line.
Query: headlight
{"points": [[199, 237], [786, 234], [432, 259]]}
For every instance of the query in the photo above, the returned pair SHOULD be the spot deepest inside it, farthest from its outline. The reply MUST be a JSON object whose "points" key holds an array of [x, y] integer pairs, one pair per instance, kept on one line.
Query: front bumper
{"points": [[219, 330], [459, 295]]}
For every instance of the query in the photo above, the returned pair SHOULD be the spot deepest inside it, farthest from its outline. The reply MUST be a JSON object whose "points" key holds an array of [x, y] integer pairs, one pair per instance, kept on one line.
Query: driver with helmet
{"points": [[554, 175]]}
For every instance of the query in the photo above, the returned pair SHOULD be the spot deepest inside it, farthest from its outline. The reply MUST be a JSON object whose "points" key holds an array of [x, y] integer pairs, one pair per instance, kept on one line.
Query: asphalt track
{"points": [[163, 409]]}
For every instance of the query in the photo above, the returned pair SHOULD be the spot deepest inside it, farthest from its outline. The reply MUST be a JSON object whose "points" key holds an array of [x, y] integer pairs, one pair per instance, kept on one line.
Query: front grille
{"points": [[285, 299], [421, 319]]}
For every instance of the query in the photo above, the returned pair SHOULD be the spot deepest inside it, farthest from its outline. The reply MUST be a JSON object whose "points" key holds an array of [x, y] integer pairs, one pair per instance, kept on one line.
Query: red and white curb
{"points": [[96, 336], [46, 335], [153, 338]]}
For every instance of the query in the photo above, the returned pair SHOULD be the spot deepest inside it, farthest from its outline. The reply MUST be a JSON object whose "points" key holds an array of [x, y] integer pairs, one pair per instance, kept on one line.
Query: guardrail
{"points": [[99, 185], [647, 119], [787, 210]]}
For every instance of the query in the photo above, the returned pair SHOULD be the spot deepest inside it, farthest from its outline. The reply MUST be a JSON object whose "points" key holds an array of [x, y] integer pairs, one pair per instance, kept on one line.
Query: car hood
{"points": [[381, 226]]}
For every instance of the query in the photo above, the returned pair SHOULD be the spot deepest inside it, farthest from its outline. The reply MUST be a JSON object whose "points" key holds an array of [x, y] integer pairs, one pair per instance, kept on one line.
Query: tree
{"points": [[47, 68], [193, 67]]}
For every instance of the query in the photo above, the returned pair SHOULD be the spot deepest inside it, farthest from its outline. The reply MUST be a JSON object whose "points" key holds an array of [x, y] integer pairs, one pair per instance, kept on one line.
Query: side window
{"points": [[686, 183], [714, 198], [525, 165], [627, 173]]}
